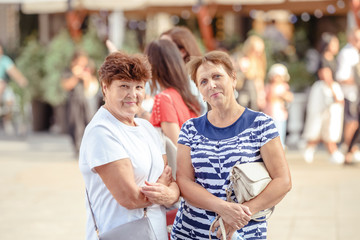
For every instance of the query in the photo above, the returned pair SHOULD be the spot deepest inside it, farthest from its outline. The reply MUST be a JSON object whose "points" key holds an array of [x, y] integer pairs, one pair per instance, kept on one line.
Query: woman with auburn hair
{"points": [[175, 103], [122, 158]]}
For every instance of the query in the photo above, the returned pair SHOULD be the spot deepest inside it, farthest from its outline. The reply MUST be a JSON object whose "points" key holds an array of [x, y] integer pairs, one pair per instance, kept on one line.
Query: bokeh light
{"points": [[305, 17]]}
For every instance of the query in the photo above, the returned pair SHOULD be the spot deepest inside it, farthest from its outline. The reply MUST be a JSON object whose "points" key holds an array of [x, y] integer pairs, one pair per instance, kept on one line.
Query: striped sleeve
{"points": [[268, 129], [185, 133]]}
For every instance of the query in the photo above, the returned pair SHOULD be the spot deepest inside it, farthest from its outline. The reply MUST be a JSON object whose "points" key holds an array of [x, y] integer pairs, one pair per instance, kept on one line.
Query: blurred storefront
{"points": [[228, 21], [235, 16]]}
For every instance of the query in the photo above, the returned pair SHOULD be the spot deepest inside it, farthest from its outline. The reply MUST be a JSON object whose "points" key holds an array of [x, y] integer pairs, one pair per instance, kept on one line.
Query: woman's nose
{"points": [[212, 84], [132, 92]]}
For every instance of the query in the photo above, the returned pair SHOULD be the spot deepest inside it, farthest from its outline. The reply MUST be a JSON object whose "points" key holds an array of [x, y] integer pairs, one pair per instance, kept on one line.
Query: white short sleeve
{"points": [[107, 147], [347, 59]]}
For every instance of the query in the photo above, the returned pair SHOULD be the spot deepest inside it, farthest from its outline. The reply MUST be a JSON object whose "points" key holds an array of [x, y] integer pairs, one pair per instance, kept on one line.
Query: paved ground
{"points": [[42, 194]]}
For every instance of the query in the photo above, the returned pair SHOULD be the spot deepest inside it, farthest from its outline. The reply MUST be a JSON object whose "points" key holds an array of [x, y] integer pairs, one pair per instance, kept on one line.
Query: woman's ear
{"points": [[183, 52], [233, 76], [104, 89]]}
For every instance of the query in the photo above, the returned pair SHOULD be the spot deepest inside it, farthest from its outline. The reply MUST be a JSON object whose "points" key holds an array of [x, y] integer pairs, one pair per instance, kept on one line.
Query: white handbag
{"points": [[248, 180]]}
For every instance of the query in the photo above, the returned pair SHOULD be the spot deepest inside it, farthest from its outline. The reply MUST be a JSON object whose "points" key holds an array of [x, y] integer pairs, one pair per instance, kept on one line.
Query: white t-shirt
{"points": [[347, 59], [105, 140]]}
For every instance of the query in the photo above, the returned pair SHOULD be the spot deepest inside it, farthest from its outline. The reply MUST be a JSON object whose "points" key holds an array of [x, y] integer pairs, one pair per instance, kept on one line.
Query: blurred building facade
{"points": [[227, 21], [231, 16]]}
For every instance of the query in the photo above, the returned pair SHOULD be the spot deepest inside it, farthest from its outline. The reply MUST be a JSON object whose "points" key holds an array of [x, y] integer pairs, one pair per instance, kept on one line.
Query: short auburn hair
{"points": [[214, 57], [121, 66]]}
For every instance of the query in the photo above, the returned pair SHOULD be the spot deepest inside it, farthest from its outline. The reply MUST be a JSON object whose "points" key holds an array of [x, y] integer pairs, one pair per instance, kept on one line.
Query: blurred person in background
{"points": [[325, 108], [349, 156], [252, 63], [122, 159], [7, 96], [209, 146], [347, 60], [81, 85], [175, 103], [278, 96], [352, 153], [186, 42]]}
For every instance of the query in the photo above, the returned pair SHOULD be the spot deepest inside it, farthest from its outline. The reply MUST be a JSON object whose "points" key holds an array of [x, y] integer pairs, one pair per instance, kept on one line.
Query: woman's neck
{"points": [[223, 117], [125, 120]]}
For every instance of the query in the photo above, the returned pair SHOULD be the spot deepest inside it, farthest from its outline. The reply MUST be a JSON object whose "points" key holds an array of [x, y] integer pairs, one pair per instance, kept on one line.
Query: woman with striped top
{"points": [[210, 145]]}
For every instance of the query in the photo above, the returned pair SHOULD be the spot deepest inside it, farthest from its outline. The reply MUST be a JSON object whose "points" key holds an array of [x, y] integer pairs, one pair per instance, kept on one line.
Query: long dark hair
{"points": [[169, 71]]}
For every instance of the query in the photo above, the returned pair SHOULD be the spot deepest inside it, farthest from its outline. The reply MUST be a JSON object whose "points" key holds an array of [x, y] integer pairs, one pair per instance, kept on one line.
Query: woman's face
{"points": [[215, 84], [123, 98], [259, 48], [334, 46]]}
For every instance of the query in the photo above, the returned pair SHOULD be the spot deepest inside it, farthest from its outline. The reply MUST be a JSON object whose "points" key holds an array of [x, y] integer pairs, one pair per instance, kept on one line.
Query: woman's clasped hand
{"points": [[159, 193], [235, 216]]}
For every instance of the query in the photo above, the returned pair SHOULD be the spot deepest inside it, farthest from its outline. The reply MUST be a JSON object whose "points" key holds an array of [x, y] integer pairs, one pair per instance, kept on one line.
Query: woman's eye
{"points": [[217, 76], [139, 87], [203, 81], [123, 86]]}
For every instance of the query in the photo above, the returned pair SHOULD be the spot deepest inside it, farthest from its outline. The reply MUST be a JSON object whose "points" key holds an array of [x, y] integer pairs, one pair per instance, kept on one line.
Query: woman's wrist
{"points": [[175, 193], [220, 207]]}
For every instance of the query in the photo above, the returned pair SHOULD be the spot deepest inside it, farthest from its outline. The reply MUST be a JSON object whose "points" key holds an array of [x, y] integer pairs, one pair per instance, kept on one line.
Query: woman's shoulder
{"points": [[101, 120], [167, 95], [171, 93], [4, 59], [348, 51], [143, 122], [252, 116], [194, 125], [196, 121]]}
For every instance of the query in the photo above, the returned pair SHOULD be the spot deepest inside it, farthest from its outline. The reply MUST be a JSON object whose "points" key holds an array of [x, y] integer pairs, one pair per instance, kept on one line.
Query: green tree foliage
{"points": [[57, 58], [30, 63], [93, 46], [44, 65]]}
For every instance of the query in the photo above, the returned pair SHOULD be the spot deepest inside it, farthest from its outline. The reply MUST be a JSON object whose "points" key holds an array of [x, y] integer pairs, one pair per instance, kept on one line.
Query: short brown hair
{"points": [[215, 57], [122, 66]]}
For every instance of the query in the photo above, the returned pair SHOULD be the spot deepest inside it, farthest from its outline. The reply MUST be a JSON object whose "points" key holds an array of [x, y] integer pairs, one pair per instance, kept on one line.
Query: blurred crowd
{"points": [[152, 109], [172, 97]]}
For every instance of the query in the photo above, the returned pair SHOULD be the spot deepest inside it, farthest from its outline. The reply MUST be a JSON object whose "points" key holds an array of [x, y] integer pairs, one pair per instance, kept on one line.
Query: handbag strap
{"points": [[264, 213], [88, 198], [92, 214], [222, 227]]}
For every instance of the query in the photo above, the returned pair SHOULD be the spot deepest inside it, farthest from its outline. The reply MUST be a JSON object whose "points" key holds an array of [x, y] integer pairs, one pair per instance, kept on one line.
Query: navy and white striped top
{"points": [[213, 152]]}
